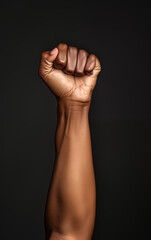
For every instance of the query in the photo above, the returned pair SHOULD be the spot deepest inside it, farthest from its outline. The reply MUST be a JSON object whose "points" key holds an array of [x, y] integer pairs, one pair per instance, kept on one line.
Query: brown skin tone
{"points": [[71, 75]]}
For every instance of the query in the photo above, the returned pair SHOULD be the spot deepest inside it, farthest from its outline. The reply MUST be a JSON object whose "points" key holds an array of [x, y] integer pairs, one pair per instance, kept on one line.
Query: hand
{"points": [[70, 74]]}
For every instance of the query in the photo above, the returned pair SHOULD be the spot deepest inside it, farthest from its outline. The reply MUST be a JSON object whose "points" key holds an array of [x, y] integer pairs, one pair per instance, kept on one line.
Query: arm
{"points": [[70, 207]]}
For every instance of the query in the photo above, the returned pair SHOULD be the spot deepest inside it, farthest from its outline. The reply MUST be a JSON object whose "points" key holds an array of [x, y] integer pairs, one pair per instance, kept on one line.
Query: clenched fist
{"points": [[70, 73]]}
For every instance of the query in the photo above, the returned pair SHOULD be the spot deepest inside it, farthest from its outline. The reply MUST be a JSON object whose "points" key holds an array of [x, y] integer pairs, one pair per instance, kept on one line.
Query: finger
{"points": [[81, 61], [97, 67], [72, 53], [61, 59], [90, 65]]}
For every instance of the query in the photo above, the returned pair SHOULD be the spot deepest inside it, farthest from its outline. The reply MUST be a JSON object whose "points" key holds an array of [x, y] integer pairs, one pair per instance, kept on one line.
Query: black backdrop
{"points": [[120, 117]]}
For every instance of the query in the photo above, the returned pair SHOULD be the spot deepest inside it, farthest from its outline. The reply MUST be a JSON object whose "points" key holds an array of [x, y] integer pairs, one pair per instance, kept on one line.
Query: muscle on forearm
{"points": [[59, 128]]}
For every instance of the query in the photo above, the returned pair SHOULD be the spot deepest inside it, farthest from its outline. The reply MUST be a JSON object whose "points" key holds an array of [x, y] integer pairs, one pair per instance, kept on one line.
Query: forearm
{"points": [[73, 180]]}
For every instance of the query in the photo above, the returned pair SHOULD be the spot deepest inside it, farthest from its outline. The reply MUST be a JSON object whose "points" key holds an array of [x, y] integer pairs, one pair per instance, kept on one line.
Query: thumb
{"points": [[51, 55], [47, 59]]}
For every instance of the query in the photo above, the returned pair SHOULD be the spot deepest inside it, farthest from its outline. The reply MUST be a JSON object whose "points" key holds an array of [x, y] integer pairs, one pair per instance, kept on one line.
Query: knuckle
{"points": [[62, 45], [72, 49], [83, 52], [92, 56]]}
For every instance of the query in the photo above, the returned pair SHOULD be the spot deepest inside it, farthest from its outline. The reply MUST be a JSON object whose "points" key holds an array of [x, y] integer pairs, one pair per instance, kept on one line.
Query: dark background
{"points": [[120, 117]]}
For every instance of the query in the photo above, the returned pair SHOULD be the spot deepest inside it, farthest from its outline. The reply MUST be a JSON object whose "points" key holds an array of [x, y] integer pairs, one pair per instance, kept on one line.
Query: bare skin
{"points": [[71, 76]]}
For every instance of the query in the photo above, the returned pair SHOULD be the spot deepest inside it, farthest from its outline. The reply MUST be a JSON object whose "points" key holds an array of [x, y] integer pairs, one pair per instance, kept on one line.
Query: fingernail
{"points": [[53, 51]]}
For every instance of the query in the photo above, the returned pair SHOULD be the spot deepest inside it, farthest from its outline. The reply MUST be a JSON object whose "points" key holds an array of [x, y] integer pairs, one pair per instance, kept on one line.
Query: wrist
{"points": [[74, 115], [76, 122], [66, 106]]}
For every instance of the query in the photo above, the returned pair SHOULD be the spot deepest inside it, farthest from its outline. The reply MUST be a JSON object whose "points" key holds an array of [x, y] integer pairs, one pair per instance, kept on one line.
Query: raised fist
{"points": [[70, 73]]}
